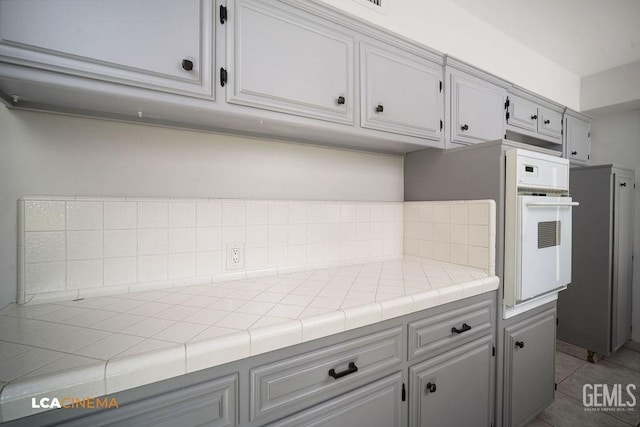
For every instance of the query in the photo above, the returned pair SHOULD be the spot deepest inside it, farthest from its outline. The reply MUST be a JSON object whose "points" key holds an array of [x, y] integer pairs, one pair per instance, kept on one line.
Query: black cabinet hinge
{"points": [[223, 14], [440, 85], [555, 386], [223, 77], [404, 393], [493, 350], [588, 156], [506, 104], [441, 124], [557, 321], [589, 135], [508, 115]]}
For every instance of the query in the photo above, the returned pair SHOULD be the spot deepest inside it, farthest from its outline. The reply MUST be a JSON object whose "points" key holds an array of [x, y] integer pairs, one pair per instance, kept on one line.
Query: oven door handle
{"points": [[547, 204]]}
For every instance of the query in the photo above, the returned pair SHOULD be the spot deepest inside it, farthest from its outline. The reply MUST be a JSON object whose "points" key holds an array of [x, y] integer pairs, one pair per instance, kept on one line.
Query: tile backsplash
{"points": [[75, 247], [460, 232]]}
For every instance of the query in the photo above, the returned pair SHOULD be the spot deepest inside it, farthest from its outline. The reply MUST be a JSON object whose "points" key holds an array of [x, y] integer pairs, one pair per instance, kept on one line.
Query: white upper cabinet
{"points": [[577, 137], [475, 108], [400, 92], [282, 60], [165, 45], [534, 117]]}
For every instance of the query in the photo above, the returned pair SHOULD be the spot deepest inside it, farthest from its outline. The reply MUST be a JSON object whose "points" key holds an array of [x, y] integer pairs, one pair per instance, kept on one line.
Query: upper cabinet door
{"points": [[549, 123], [522, 113], [400, 92], [477, 109], [284, 61], [578, 139], [160, 44]]}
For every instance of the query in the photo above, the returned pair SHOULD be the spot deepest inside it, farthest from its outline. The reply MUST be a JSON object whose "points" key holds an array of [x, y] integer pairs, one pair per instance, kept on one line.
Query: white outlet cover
{"points": [[235, 255]]}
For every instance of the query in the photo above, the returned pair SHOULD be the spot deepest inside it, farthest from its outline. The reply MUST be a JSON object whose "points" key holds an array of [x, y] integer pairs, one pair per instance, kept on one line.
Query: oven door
{"points": [[543, 245]]}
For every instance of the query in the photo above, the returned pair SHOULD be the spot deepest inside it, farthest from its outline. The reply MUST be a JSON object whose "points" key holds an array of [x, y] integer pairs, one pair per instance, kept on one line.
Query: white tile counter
{"points": [[102, 345]]}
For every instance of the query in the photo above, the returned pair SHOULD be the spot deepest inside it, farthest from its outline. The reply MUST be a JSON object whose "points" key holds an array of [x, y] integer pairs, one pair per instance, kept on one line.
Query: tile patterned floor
{"points": [[573, 371]]}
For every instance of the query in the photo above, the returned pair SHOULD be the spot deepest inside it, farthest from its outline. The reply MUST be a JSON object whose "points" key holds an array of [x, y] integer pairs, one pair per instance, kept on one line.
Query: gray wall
{"points": [[44, 153], [616, 139]]}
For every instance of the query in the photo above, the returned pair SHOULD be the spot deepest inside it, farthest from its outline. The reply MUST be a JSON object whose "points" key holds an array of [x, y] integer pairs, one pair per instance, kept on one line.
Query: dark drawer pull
{"points": [[546, 122], [465, 328], [341, 100], [335, 375], [379, 108], [534, 117], [464, 127], [520, 344], [431, 387], [573, 153], [187, 65]]}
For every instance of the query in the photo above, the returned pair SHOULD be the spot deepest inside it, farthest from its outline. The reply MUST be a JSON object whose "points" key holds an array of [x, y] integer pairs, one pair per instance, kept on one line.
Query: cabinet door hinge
{"points": [[493, 350], [588, 156], [506, 104], [555, 386], [507, 115], [589, 135], [223, 14], [557, 321], [404, 393], [440, 85], [441, 124], [223, 77]]}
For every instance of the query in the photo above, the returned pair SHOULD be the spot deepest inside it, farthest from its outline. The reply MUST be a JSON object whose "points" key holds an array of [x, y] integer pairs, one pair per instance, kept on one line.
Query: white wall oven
{"points": [[537, 229]]}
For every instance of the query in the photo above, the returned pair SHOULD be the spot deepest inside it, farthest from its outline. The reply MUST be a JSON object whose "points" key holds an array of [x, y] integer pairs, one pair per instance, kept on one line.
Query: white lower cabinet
{"points": [[453, 389], [529, 379]]}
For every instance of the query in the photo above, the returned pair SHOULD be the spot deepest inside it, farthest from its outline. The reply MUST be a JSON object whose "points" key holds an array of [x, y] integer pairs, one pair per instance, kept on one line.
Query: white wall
{"points": [[450, 29], [616, 139], [610, 90], [61, 155]]}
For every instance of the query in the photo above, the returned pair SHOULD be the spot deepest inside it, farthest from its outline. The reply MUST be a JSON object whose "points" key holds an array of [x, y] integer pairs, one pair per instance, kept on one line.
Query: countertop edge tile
{"points": [[274, 337], [217, 351], [83, 382], [127, 372], [322, 325]]}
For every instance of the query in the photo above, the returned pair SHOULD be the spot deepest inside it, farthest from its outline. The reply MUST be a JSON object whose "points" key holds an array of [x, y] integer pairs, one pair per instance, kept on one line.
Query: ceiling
{"points": [[582, 36]]}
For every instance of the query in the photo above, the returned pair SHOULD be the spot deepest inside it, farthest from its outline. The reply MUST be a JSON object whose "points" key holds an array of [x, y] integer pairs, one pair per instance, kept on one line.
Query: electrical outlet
{"points": [[235, 256]]}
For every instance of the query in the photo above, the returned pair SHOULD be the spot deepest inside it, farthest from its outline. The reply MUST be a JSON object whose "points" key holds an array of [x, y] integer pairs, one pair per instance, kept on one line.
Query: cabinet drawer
{"points": [[298, 382], [376, 404], [435, 334]]}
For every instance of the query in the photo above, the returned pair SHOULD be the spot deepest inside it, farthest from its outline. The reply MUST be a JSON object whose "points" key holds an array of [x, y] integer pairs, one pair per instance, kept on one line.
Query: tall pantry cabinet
{"points": [[595, 310]]}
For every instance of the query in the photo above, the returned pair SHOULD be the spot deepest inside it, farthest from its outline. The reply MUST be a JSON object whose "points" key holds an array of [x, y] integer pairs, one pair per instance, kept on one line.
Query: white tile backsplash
{"points": [[93, 243]]}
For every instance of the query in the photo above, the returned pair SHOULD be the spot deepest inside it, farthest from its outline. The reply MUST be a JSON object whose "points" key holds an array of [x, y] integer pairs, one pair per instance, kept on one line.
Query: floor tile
{"points": [[632, 345], [566, 365], [537, 422], [568, 412], [607, 372], [624, 357]]}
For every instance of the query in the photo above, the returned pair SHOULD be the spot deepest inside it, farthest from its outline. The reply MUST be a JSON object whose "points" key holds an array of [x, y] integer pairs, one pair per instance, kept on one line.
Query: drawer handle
{"points": [[431, 387], [573, 153], [520, 344], [335, 375], [465, 328]]}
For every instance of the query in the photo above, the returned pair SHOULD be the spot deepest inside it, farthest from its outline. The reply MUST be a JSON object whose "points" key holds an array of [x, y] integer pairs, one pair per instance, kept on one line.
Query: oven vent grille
{"points": [[548, 234]]}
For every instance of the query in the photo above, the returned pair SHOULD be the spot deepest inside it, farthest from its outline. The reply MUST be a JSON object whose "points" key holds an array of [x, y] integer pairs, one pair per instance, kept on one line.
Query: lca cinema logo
{"points": [[74, 403], [604, 397]]}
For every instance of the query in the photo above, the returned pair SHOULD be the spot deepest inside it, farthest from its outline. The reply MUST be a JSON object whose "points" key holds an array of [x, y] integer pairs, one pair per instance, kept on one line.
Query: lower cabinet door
{"points": [[529, 367], [453, 389], [378, 404]]}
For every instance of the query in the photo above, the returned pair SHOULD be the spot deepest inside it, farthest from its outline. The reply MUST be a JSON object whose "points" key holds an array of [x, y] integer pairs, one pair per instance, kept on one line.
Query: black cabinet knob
{"points": [[431, 388], [573, 153], [464, 127], [623, 184], [520, 344], [546, 122], [379, 108], [340, 100], [187, 64], [534, 117]]}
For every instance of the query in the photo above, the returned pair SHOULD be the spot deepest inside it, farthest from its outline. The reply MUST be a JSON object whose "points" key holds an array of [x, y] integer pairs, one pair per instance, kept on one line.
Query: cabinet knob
{"points": [[464, 127], [520, 344], [340, 100], [574, 153], [546, 122], [431, 387], [623, 184], [534, 117], [379, 108], [187, 64]]}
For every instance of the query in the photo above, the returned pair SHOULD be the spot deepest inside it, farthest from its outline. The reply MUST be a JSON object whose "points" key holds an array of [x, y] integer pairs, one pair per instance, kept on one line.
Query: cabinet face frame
{"points": [[314, 28], [197, 82]]}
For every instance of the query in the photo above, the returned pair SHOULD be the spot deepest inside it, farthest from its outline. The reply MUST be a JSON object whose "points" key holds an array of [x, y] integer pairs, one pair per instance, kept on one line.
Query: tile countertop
{"points": [[103, 345]]}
